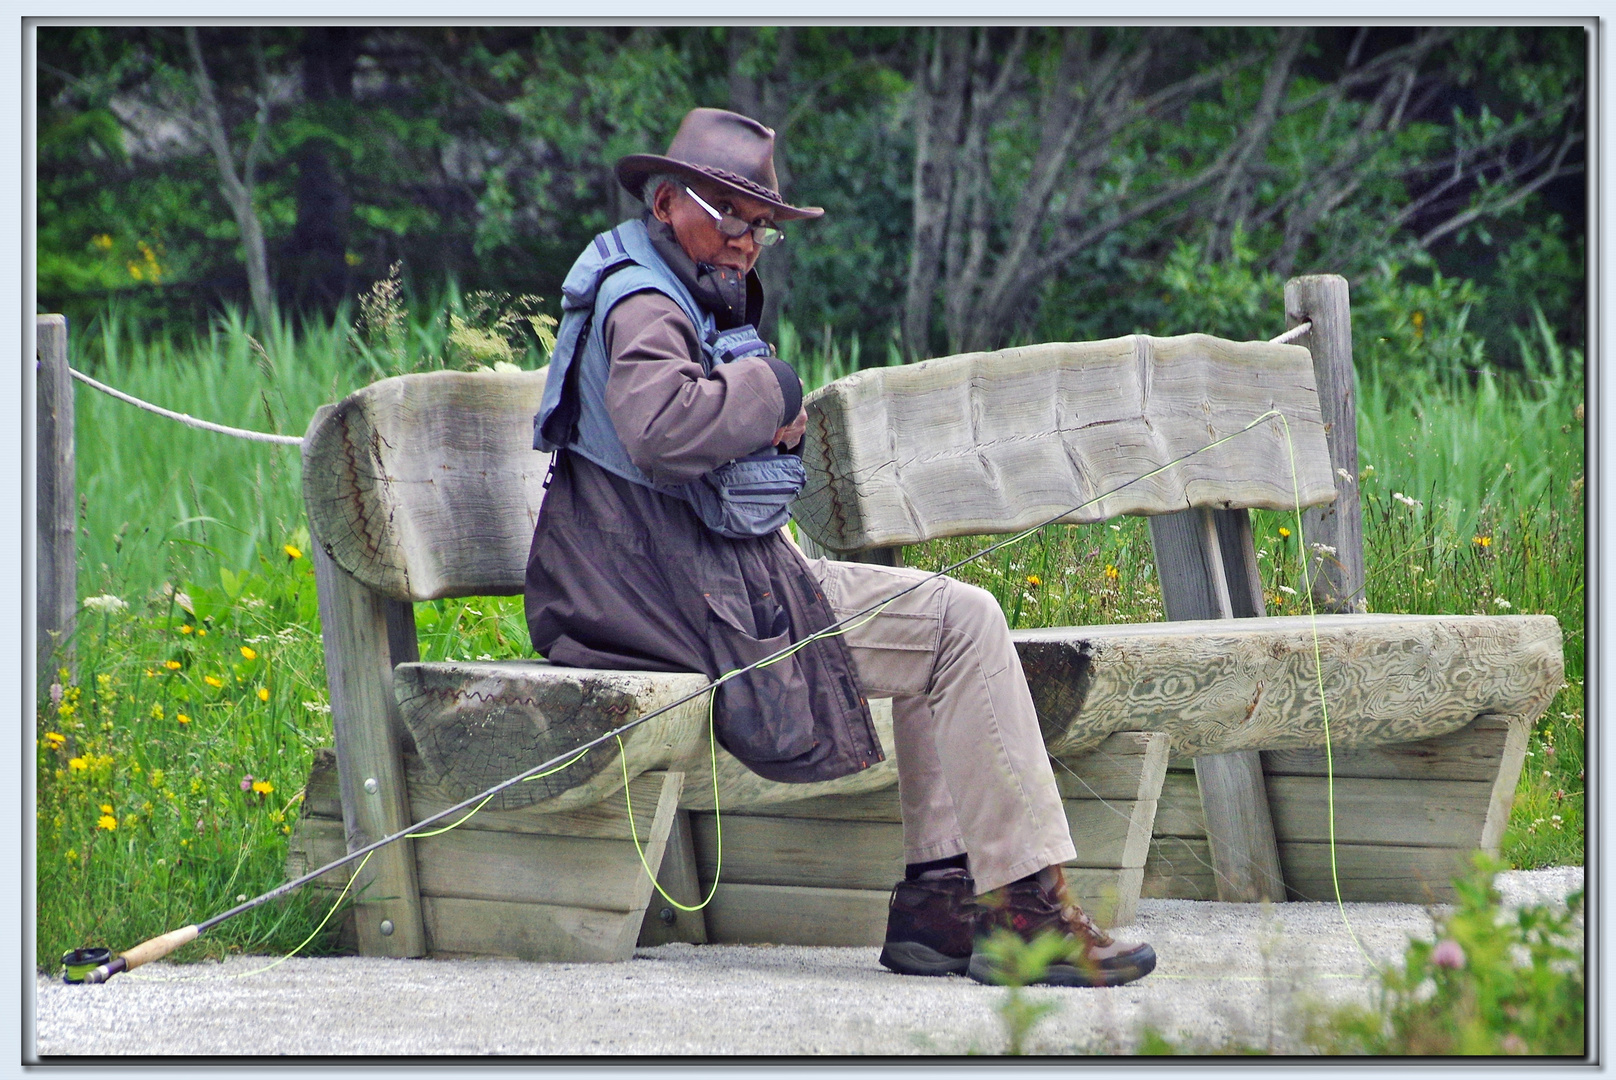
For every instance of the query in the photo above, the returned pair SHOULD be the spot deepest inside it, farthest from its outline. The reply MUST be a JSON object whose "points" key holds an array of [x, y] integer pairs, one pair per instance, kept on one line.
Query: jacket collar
{"points": [[732, 299]]}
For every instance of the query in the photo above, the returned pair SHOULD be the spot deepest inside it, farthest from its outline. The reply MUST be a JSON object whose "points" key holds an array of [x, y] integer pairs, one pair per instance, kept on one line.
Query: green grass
{"points": [[165, 506]]}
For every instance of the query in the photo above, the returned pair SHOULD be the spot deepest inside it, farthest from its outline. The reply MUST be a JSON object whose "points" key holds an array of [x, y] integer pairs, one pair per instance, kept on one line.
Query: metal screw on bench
{"points": [[386, 928], [666, 915], [371, 785]]}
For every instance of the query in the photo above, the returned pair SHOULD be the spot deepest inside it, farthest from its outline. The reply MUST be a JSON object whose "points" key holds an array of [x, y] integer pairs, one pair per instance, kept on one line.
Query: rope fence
{"points": [[186, 418], [292, 440]]}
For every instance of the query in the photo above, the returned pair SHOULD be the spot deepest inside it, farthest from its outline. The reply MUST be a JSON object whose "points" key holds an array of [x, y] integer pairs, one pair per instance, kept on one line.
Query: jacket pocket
{"points": [[766, 714]]}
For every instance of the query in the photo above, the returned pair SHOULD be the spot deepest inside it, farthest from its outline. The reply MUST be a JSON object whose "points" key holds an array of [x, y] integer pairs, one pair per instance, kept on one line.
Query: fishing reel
{"points": [[77, 963]]}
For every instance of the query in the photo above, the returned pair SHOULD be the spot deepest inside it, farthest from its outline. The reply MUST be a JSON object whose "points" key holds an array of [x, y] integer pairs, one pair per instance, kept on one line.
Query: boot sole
{"points": [[982, 969], [913, 958]]}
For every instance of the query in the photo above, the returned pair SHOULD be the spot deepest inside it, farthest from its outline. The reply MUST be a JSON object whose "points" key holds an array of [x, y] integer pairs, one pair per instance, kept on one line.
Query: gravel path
{"points": [[1226, 972]]}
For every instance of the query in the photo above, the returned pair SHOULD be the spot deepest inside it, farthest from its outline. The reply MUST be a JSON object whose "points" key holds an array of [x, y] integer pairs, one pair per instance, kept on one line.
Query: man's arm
{"points": [[676, 423]]}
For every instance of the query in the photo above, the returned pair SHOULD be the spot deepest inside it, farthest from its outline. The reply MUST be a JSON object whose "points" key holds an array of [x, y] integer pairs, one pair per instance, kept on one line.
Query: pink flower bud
{"points": [[1448, 954], [56, 693], [246, 782]]}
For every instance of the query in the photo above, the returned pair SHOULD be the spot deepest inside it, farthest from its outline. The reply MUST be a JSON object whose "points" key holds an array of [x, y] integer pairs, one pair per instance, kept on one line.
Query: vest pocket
{"points": [[766, 714]]}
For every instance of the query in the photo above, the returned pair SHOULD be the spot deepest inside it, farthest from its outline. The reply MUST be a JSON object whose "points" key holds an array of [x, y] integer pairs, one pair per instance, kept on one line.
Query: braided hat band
{"points": [[734, 150]]}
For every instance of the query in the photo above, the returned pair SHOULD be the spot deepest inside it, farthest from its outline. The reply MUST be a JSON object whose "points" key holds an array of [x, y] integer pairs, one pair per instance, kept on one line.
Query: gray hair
{"points": [[648, 193]]}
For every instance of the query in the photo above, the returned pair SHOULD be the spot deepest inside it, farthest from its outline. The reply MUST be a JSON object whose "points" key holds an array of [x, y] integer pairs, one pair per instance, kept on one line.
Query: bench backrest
{"points": [[426, 486]]}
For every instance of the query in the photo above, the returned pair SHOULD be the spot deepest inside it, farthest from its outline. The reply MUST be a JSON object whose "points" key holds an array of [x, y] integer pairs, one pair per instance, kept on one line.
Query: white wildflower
{"points": [[106, 603], [1287, 590], [317, 706], [1412, 504], [505, 365], [1501, 602], [1322, 549], [1346, 477]]}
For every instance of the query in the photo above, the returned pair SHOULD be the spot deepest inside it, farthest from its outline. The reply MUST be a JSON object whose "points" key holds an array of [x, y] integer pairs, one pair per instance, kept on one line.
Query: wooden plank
{"points": [[1409, 812], [1379, 873], [663, 922], [1109, 897], [369, 766], [1128, 765], [869, 855], [606, 820], [477, 723], [313, 843], [1240, 827], [1190, 560], [322, 797], [1473, 752], [799, 851], [426, 485], [879, 806], [1179, 868], [1236, 684], [56, 505], [461, 927], [786, 915], [996, 442], [521, 868], [1414, 813], [1502, 796], [1322, 299]]}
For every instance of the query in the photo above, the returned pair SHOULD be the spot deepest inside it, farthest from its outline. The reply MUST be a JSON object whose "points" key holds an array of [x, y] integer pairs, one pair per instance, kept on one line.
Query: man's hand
{"points": [[792, 433]]}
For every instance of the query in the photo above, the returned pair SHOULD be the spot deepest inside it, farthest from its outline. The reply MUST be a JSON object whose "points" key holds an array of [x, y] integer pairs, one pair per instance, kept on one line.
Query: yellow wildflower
{"points": [[1112, 572], [248, 654], [157, 712], [201, 631], [291, 551], [71, 855], [263, 787], [172, 665], [263, 693], [185, 628], [1034, 580], [107, 822], [213, 681], [182, 718], [106, 808], [1483, 541], [77, 764], [1284, 532], [55, 738], [150, 674], [102, 241]]}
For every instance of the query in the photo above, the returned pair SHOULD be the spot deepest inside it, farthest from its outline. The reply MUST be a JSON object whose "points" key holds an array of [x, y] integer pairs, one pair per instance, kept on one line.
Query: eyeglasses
{"points": [[734, 228]]}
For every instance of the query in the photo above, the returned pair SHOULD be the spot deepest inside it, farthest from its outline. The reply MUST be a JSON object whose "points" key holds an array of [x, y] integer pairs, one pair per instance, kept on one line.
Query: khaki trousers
{"points": [[973, 775]]}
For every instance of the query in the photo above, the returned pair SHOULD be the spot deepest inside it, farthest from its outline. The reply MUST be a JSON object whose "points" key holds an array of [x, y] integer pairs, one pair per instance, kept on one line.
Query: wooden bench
{"points": [[424, 487]]}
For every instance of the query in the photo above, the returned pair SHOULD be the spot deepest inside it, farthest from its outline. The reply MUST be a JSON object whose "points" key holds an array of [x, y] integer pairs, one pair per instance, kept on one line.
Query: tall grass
{"points": [[202, 537]]}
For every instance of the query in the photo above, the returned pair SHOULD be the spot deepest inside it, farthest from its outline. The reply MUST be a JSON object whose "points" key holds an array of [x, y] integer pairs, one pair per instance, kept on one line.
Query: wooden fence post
{"points": [[56, 512], [1338, 579]]}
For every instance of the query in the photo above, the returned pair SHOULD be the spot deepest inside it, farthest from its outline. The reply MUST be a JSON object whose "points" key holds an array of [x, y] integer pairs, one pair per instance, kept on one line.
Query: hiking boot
{"points": [[1092, 957], [931, 924]]}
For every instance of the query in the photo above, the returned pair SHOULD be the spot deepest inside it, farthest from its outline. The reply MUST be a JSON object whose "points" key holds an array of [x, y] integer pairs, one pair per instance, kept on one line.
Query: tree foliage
{"points": [[982, 185]]}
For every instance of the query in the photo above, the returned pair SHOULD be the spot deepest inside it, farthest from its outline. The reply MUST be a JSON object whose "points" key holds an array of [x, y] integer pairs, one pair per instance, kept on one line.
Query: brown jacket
{"points": [[620, 576]]}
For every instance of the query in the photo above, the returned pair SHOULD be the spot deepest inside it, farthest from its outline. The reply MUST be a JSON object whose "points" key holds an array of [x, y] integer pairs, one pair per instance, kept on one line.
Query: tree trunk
{"points": [[238, 189], [767, 98], [939, 99]]}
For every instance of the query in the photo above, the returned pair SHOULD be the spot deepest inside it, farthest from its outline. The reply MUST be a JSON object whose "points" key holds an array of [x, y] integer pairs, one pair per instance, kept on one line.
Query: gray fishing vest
{"points": [[743, 498]]}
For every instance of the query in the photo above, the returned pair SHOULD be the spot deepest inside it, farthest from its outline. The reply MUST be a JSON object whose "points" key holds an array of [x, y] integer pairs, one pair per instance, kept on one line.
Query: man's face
{"points": [[698, 233]]}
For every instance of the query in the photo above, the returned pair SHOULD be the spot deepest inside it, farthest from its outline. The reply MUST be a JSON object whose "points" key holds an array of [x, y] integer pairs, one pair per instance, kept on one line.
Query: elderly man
{"points": [[659, 547]]}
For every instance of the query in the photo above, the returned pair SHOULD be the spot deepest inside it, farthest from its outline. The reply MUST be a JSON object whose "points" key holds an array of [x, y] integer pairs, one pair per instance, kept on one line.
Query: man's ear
{"points": [[662, 202]]}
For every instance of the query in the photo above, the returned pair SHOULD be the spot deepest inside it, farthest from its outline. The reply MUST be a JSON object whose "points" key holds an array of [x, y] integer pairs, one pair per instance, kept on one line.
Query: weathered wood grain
{"points": [[789, 915], [426, 486], [1247, 684], [1322, 299], [476, 724], [996, 442], [370, 770], [1502, 796], [56, 505]]}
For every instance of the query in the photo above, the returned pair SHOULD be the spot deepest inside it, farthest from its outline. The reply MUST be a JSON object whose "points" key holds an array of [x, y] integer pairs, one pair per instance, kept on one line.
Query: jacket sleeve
{"points": [[674, 422]]}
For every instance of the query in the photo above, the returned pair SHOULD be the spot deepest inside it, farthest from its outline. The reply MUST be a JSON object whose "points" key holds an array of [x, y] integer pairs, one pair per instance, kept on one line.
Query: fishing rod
{"points": [[96, 965]]}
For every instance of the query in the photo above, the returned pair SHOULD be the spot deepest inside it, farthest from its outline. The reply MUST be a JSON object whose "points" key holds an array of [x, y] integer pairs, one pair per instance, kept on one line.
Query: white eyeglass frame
{"points": [[762, 235]]}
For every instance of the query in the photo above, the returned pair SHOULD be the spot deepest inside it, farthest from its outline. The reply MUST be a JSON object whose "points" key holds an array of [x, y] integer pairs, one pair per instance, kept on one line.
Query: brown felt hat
{"points": [[724, 147]]}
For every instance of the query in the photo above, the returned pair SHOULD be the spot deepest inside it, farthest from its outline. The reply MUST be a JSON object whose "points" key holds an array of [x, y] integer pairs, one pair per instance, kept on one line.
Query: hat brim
{"points": [[635, 169]]}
